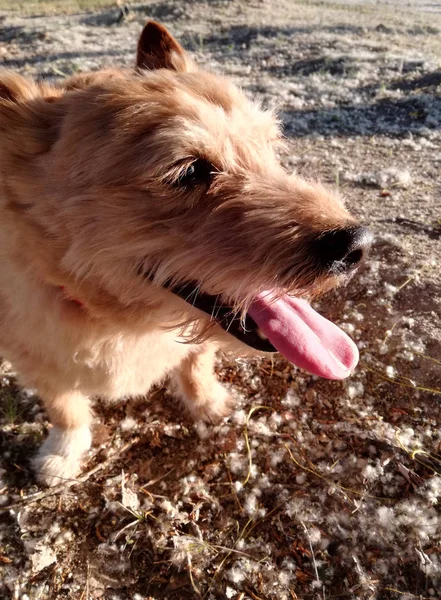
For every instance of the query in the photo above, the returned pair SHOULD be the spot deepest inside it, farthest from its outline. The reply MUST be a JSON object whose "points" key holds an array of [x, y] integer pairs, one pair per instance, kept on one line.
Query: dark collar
{"points": [[245, 330]]}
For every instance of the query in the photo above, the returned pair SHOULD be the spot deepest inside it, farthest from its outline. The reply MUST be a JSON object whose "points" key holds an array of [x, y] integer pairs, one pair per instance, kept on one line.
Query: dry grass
{"points": [[51, 7]]}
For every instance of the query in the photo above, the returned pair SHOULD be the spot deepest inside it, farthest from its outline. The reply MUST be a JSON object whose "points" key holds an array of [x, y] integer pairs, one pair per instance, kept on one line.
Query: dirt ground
{"points": [[311, 489]]}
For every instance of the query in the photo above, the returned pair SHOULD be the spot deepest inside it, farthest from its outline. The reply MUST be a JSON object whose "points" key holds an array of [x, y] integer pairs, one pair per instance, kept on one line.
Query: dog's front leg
{"points": [[59, 458], [197, 386]]}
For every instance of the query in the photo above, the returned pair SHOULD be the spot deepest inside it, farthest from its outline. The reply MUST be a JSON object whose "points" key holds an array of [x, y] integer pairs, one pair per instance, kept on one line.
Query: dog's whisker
{"points": [[194, 292], [216, 308]]}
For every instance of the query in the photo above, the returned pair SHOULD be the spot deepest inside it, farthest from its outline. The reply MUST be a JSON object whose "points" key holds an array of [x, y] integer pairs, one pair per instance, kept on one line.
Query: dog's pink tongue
{"points": [[304, 337]]}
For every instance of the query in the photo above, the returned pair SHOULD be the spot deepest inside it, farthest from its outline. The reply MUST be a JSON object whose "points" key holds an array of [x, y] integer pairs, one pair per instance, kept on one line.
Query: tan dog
{"points": [[145, 222]]}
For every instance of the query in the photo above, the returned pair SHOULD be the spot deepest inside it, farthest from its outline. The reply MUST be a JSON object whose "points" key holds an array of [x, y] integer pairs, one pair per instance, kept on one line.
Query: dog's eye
{"points": [[199, 172]]}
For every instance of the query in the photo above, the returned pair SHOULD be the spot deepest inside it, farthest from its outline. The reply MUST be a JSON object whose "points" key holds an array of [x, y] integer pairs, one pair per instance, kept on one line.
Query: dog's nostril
{"points": [[342, 249], [354, 257]]}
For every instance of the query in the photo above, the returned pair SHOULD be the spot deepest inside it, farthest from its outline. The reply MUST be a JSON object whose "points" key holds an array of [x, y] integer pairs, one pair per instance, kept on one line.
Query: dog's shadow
{"points": [[144, 437], [19, 434]]}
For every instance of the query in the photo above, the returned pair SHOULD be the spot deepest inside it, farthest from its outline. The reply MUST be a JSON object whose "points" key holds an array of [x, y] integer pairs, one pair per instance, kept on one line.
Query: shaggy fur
{"points": [[96, 215]]}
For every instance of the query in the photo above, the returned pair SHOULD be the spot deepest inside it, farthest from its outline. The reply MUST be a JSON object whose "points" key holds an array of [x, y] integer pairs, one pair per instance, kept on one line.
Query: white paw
{"points": [[212, 407], [59, 458], [52, 469]]}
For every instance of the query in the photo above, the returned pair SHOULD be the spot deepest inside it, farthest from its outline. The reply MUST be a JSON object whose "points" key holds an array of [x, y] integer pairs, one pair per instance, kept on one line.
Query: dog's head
{"points": [[165, 180]]}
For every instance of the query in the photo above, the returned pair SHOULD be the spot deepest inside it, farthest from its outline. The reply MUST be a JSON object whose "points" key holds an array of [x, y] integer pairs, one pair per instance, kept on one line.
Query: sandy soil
{"points": [[312, 489]]}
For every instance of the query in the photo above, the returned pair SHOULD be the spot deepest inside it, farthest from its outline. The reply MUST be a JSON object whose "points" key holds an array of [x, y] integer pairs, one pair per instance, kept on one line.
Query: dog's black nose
{"points": [[340, 250]]}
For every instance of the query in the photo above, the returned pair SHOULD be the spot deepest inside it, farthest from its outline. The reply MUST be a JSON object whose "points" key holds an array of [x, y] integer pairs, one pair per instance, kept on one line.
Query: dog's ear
{"points": [[158, 49], [14, 88], [30, 114]]}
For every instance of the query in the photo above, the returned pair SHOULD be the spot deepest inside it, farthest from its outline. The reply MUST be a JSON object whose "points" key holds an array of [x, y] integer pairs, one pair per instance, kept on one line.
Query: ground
{"points": [[311, 489]]}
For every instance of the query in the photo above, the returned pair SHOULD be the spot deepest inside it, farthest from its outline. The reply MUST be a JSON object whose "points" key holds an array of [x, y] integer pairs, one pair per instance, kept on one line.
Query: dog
{"points": [[145, 224]]}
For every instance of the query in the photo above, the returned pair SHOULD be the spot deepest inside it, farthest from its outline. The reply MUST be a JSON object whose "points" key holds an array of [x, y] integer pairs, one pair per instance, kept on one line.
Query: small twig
{"points": [[85, 593], [436, 458], [190, 568], [438, 362], [329, 481], [224, 560], [231, 550], [271, 512], [153, 481], [236, 497], [412, 277], [70, 482], [391, 589], [252, 594], [319, 581], [247, 441], [114, 538], [403, 383], [59, 72]]}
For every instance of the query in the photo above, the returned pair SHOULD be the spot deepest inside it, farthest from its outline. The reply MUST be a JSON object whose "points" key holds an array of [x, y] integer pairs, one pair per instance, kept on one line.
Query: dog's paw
{"points": [[52, 469], [212, 407], [59, 458]]}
